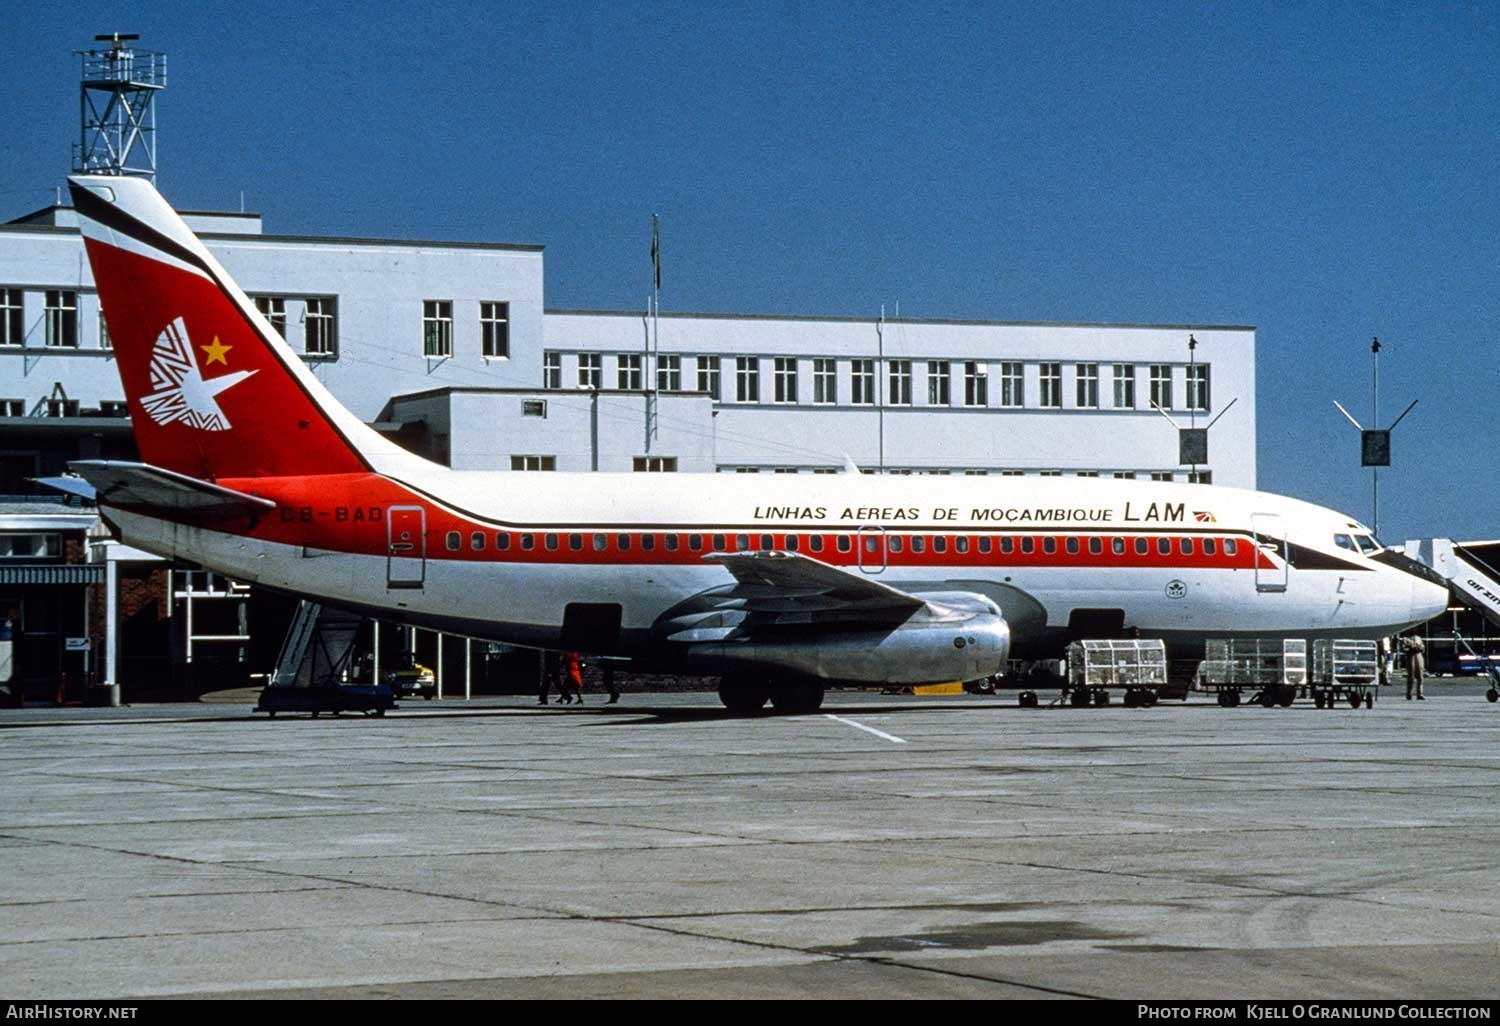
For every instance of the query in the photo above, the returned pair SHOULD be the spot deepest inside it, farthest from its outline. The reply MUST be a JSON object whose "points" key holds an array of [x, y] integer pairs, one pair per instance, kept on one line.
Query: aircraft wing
{"points": [[140, 486], [788, 582]]}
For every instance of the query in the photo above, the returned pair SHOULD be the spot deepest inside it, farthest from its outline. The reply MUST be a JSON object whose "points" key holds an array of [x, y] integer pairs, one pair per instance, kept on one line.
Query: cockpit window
{"points": [[1367, 545], [1343, 541]]}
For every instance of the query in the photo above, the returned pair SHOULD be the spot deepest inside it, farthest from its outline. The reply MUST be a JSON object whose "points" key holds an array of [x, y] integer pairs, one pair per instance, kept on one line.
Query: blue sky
{"points": [[1323, 172]]}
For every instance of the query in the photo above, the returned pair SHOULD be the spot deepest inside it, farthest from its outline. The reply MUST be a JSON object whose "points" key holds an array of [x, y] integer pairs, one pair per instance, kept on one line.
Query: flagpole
{"points": [[654, 359]]}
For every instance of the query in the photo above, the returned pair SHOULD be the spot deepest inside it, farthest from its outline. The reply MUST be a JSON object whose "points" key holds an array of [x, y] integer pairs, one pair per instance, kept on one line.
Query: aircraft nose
{"points": [[1427, 599]]}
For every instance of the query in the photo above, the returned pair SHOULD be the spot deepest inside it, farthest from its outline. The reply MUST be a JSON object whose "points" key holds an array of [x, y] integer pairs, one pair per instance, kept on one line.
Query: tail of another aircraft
{"points": [[213, 390]]}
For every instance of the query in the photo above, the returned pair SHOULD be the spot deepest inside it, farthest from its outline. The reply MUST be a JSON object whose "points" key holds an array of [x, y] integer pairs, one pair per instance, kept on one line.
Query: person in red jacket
{"points": [[573, 676]]}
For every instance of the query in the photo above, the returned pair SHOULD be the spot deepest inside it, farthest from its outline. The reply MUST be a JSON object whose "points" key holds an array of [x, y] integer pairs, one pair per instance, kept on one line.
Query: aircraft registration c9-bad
{"points": [[251, 468]]}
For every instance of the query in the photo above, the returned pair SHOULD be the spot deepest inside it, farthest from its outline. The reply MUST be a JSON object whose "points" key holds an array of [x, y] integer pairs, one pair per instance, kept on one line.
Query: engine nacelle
{"points": [[956, 636]]}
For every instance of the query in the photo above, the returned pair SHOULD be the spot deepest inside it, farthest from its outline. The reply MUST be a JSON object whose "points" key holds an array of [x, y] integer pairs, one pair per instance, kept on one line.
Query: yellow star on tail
{"points": [[216, 352]]}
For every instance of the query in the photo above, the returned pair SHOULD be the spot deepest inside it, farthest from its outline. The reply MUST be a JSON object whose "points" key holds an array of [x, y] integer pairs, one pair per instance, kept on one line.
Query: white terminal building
{"points": [[450, 348]]}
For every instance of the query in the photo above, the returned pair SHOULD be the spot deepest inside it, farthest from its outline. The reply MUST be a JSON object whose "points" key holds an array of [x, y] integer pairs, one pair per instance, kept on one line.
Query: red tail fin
{"points": [[213, 390]]}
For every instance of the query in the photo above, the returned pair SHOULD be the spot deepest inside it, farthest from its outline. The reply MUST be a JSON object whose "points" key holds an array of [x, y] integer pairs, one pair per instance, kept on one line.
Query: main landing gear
{"points": [[745, 695]]}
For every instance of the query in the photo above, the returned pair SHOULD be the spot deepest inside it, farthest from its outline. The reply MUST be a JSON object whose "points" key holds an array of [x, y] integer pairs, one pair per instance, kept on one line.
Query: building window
{"points": [[825, 382], [708, 375], [1049, 473], [1200, 477], [1012, 385], [747, 379], [61, 407], [976, 472], [1088, 386], [1086, 473], [862, 382], [437, 327], [976, 384], [31, 546], [669, 374], [318, 336], [61, 319], [786, 379], [12, 318], [494, 330], [1163, 475], [628, 372], [1051, 375], [1161, 385], [552, 370], [1124, 475], [13, 408], [105, 339], [1124, 374], [938, 392], [590, 370], [783, 470], [534, 408], [1197, 387], [1012, 473], [654, 464], [900, 383], [273, 309], [533, 463]]}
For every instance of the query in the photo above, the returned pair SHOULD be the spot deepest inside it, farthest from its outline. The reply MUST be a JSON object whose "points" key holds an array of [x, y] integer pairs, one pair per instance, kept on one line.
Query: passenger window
{"points": [[1096, 545], [1343, 541], [844, 545], [1186, 545], [601, 542], [476, 541], [815, 543], [719, 541], [1028, 545], [961, 544], [1072, 546], [502, 541], [552, 541], [575, 542], [648, 542], [919, 544], [984, 544], [1210, 547], [792, 543], [453, 541], [1230, 546], [1007, 545], [670, 540], [1118, 545], [767, 542], [896, 543], [695, 542], [940, 544], [528, 542], [1049, 545], [872, 543], [1164, 546], [742, 542], [1142, 546], [623, 541]]}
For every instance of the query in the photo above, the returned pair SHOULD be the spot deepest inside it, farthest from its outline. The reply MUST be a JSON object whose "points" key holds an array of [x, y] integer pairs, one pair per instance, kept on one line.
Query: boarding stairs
{"points": [[1472, 570]]}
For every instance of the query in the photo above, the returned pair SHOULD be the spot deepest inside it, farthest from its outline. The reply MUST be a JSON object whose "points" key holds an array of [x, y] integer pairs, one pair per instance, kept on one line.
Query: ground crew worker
{"points": [[572, 683], [1416, 663]]}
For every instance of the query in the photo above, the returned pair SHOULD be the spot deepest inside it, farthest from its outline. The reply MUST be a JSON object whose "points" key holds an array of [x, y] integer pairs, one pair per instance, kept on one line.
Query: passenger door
{"points": [[406, 546]]}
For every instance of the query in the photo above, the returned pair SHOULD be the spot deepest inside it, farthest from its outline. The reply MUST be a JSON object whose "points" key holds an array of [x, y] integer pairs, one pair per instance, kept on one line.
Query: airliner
{"points": [[778, 586]]}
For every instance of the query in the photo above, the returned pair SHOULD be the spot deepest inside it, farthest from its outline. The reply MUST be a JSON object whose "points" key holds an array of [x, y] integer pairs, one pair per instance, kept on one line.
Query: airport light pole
{"points": [[1375, 443]]}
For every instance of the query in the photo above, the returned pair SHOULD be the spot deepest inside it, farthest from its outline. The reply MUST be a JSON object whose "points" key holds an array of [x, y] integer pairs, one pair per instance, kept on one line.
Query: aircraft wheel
{"points": [[794, 699], [1493, 694], [743, 696]]}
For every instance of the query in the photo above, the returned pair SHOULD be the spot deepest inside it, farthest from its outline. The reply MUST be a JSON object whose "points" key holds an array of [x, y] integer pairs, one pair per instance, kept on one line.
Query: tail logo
{"points": [[181, 392]]}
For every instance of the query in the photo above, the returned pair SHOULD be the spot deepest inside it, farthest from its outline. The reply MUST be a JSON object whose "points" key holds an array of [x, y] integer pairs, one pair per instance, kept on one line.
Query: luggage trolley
{"points": [[1273, 668], [1345, 668], [1138, 665]]}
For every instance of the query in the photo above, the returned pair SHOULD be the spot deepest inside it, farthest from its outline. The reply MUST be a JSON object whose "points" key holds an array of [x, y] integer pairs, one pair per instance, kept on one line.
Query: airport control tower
{"points": [[117, 109]]}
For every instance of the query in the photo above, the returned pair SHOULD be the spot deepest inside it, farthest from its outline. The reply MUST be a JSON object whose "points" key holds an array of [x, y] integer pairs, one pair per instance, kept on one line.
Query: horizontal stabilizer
{"points": [[142, 487]]}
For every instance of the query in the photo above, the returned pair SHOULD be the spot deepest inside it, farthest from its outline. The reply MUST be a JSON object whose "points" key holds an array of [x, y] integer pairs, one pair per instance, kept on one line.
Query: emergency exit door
{"points": [[1271, 552], [406, 546]]}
